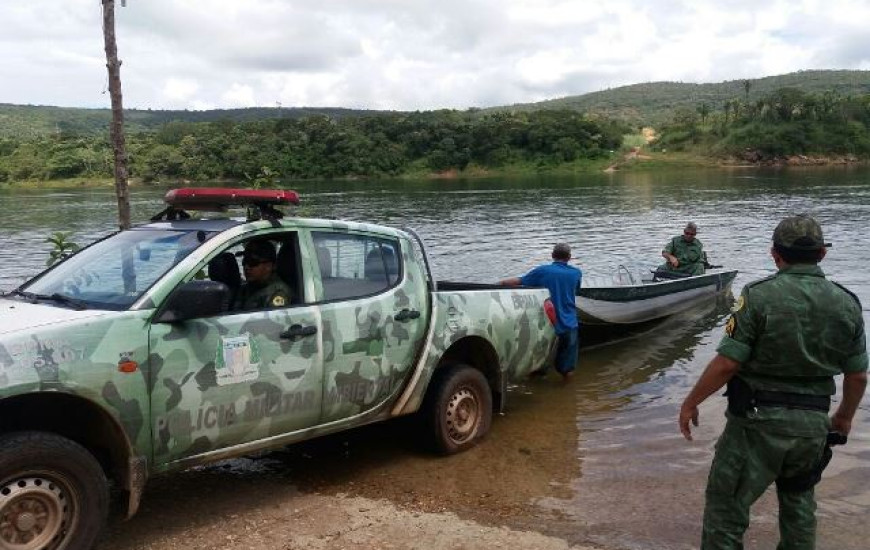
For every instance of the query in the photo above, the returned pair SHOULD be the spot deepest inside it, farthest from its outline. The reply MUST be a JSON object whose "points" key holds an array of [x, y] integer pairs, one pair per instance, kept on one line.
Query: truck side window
{"points": [[356, 265]]}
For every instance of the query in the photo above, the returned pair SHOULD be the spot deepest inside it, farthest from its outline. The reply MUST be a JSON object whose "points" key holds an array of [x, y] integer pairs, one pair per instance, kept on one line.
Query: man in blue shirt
{"points": [[563, 281]]}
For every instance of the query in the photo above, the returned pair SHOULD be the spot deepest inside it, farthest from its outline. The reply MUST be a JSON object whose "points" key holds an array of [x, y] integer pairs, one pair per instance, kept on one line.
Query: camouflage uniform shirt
{"points": [[793, 332], [274, 293], [689, 254]]}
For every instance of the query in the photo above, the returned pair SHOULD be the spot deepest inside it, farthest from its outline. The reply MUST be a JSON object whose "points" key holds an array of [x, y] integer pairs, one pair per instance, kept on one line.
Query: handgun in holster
{"points": [[808, 480]]}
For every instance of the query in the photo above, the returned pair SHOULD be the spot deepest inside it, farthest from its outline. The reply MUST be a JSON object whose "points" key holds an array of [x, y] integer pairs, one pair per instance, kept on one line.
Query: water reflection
{"points": [[624, 396], [632, 366]]}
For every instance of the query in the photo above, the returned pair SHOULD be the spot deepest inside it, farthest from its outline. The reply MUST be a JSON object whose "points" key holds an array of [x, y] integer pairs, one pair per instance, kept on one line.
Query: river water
{"points": [[600, 460]]}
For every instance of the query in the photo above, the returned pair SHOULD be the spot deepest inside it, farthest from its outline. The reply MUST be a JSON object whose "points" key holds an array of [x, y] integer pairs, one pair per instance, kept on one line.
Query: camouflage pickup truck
{"points": [[135, 356]]}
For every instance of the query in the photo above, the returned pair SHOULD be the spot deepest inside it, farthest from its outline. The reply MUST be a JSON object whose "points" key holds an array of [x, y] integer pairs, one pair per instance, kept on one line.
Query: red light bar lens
{"points": [[194, 198]]}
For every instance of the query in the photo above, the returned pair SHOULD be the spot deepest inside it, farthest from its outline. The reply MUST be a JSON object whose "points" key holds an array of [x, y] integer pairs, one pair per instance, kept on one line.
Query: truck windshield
{"points": [[114, 273]]}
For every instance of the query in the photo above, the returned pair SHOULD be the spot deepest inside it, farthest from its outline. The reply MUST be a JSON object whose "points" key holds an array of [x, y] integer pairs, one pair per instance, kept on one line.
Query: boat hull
{"points": [[618, 305]]}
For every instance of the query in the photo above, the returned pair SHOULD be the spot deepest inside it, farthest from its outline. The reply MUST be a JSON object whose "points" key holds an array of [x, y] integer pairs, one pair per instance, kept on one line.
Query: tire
{"points": [[53, 493], [458, 409]]}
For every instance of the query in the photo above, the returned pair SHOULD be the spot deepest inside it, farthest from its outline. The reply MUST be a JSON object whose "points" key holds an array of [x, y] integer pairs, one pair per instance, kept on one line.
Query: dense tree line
{"points": [[320, 146], [787, 121]]}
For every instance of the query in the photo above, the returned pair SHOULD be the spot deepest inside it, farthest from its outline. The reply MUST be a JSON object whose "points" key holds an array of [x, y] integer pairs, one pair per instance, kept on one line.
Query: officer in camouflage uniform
{"points": [[684, 253], [789, 335], [263, 288]]}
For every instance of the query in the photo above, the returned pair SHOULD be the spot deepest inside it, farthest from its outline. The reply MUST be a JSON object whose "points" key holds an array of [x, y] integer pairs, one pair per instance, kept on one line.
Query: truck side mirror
{"points": [[194, 299]]}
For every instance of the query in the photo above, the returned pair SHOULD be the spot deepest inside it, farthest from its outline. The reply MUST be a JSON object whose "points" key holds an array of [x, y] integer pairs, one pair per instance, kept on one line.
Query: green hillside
{"points": [[30, 121], [655, 103]]}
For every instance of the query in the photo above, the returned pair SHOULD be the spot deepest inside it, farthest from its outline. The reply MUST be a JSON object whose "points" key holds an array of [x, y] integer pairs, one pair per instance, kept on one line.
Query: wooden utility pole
{"points": [[117, 129]]}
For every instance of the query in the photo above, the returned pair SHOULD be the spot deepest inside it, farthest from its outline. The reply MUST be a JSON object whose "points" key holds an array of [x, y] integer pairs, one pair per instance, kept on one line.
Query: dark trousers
{"points": [[566, 351]]}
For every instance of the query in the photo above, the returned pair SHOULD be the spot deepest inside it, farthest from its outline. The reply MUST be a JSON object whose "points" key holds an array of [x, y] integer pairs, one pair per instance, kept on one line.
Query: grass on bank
{"points": [[665, 160], [59, 183]]}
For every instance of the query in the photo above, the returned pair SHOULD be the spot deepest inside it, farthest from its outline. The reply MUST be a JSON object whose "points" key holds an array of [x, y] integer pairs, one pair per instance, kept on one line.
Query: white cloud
{"points": [[239, 95], [396, 54], [179, 89], [546, 67]]}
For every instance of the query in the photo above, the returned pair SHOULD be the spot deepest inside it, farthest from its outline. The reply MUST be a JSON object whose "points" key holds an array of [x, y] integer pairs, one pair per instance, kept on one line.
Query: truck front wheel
{"points": [[459, 408], [53, 493]]}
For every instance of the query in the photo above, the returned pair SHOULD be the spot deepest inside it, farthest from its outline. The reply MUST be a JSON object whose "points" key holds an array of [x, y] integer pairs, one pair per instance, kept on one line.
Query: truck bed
{"points": [[454, 286]]}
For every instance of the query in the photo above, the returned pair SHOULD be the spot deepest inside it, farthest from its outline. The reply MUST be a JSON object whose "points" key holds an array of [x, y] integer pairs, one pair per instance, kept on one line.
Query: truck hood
{"points": [[17, 315]]}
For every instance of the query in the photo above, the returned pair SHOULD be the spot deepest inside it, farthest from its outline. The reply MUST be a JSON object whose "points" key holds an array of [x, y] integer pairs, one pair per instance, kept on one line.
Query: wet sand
{"points": [[595, 462]]}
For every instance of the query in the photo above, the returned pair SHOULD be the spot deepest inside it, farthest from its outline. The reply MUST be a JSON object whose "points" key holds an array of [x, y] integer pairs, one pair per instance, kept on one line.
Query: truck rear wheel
{"points": [[53, 493], [458, 409]]}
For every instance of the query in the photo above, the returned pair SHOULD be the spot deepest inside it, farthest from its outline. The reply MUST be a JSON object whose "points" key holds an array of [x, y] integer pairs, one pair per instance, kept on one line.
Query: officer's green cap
{"points": [[799, 232], [262, 250]]}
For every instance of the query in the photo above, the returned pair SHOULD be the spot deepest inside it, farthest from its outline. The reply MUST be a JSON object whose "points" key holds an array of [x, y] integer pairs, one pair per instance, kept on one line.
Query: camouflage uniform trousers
{"points": [[748, 459]]}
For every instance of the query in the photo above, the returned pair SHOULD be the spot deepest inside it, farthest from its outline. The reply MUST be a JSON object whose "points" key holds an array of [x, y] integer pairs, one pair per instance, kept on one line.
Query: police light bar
{"points": [[219, 198]]}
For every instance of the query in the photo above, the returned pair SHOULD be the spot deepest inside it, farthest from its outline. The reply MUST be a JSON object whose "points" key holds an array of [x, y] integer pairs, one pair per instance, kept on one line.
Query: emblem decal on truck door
{"points": [[238, 360]]}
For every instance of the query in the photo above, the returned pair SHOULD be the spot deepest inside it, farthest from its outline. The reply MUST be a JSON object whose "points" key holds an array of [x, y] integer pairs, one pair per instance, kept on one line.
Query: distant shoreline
{"points": [[633, 161]]}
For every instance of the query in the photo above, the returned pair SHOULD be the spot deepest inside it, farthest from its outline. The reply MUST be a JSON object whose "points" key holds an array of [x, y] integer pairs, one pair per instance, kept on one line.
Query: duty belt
{"points": [[766, 398], [742, 399]]}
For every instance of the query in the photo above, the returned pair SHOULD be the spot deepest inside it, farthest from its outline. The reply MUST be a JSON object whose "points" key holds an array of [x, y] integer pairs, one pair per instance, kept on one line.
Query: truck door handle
{"points": [[406, 315], [298, 331]]}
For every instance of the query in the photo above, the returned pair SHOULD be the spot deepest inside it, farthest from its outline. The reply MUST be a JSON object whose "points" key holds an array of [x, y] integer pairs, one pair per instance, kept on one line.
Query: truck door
{"points": [[373, 314], [251, 373]]}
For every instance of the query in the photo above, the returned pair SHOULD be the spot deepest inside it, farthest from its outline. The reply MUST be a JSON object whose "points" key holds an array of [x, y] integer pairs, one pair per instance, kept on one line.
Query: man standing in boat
{"points": [[685, 253], [789, 335], [563, 282]]}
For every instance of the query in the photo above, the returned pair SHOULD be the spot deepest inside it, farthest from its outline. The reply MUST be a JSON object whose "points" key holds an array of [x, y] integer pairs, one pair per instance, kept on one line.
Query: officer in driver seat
{"points": [[263, 288]]}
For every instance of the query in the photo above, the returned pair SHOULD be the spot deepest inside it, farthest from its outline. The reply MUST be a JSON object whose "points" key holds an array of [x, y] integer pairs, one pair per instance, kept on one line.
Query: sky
{"points": [[409, 54]]}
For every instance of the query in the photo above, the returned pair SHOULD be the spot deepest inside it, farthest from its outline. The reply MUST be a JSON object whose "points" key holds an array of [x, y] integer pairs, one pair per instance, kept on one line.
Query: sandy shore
{"points": [[315, 522]]}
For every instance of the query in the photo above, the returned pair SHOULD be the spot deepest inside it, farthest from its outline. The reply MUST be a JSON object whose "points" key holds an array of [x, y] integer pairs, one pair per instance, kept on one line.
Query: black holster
{"points": [[741, 397], [806, 481]]}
